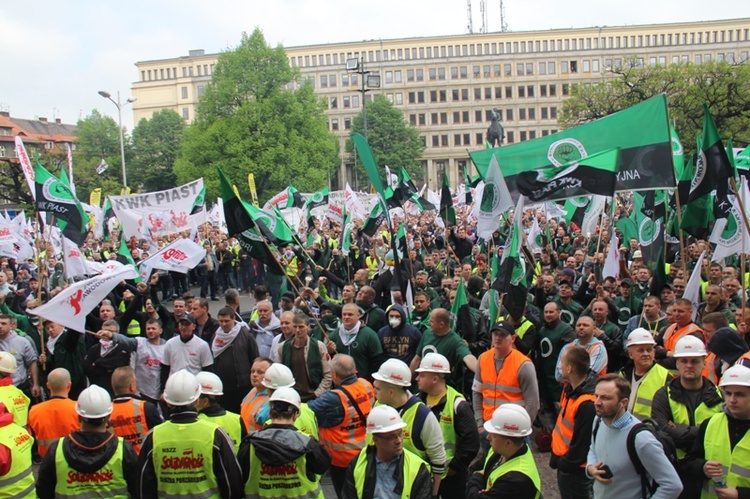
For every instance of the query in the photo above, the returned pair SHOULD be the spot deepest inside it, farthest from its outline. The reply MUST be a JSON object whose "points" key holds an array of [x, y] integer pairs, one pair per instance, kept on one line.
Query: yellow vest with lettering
{"points": [[108, 481]]}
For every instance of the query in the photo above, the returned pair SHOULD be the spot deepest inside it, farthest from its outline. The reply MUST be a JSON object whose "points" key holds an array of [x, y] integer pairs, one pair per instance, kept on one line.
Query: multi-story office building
{"points": [[447, 86]]}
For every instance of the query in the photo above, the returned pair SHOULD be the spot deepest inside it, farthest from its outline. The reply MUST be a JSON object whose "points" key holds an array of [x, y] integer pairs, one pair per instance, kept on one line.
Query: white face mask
{"points": [[394, 321]]}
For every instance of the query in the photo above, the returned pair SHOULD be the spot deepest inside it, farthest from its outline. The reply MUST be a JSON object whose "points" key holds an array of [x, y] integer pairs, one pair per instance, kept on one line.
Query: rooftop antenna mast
{"points": [[470, 22], [503, 21], [483, 14]]}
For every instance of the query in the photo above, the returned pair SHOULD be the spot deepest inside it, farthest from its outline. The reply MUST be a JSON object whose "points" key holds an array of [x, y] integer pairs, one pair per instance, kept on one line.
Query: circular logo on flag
{"points": [[490, 198], [700, 171], [648, 231], [252, 235], [55, 191], [317, 197], [731, 234], [579, 202], [565, 152], [267, 220], [539, 240], [676, 147]]}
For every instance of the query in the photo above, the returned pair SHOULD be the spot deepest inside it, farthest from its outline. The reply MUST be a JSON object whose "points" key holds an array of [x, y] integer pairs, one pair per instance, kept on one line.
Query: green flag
{"points": [[374, 220], [56, 198], [126, 258], [511, 275], [368, 161], [447, 212], [712, 168], [346, 234], [459, 301], [640, 132], [199, 203]]}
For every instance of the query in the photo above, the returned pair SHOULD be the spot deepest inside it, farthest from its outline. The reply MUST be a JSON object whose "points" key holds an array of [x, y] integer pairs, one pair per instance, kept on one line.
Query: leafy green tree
{"points": [[256, 116], [99, 138], [724, 86], [393, 141], [156, 143]]}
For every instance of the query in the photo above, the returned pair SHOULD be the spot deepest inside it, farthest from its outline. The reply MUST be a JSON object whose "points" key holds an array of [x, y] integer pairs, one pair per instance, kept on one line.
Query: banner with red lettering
{"points": [[7, 234], [73, 259], [28, 170], [180, 256], [70, 307]]}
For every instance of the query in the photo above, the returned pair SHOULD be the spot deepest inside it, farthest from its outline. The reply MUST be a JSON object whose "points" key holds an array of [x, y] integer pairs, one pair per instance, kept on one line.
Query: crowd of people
{"points": [[385, 366]]}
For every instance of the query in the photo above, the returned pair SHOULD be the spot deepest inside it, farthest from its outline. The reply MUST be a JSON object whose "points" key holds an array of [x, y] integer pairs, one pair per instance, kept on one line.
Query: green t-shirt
{"points": [[365, 349], [450, 346]]}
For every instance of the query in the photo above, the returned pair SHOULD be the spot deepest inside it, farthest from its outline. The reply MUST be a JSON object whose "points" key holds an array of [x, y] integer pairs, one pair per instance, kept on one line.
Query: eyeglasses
{"points": [[393, 437]]}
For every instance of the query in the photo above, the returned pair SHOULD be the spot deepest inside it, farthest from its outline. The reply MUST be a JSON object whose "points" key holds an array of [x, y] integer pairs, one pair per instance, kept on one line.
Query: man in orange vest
{"points": [[342, 416], [572, 434], [56, 417], [682, 311], [504, 375], [131, 418], [258, 396]]}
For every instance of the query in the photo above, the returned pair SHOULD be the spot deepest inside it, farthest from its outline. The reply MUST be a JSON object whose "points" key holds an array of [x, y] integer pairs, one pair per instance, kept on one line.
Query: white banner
{"points": [[165, 212], [7, 233], [72, 259], [28, 170], [354, 207], [71, 306], [280, 199], [334, 212], [103, 267], [180, 256]]}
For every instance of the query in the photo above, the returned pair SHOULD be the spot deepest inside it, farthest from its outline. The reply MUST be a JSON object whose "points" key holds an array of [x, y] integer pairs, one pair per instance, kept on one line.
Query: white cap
{"points": [[384, 418], [689, 346], [210, 383], [8, 364], [434, 363], [278, 376], [288, 395], [637, 254], [182, 388], [94, 402], [395, 372], [737, 375], [640, 336], [510, 420]]}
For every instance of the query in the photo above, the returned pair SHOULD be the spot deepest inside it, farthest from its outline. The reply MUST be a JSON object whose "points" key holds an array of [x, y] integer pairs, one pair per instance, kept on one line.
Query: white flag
{"points": [[354, 207], [73, 260], [535, 237], [495, 200], [433, 197], [103, 268], [102, 167], [71, 306], [180, 256], [612, 262], [693, 287], [28, 170], [592, 216], [7, 233], [730, 234]]}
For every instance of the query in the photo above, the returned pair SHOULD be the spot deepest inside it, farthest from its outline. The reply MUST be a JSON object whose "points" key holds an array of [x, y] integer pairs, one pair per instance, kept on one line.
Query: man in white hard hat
{"points": [[94, 462], [456, 419], [509, 470], [342, 416], [387, 469], [722, 449], [187, 455], [16, 402], [280, 376], [209, 408], [280, 460], [643, 373], [685, 402], [392, 382]]}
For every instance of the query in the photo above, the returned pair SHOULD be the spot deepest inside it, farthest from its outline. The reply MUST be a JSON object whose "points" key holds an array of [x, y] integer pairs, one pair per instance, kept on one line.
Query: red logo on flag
{"points": [[75, 301], [174, 254]]}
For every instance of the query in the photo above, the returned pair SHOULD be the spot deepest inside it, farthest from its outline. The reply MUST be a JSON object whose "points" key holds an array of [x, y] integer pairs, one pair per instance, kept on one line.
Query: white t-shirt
{"points": [[148, 361], [193, 355]]}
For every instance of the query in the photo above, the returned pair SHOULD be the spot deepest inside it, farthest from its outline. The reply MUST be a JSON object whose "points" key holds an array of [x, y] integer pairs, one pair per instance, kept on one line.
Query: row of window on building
{"points": [[171, 73], [477, 138], [528, 46]]}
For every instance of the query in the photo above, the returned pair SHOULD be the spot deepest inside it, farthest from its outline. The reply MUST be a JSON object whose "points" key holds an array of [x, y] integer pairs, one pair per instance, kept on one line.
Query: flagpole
{"points": [[683, 255], [601, 224]]}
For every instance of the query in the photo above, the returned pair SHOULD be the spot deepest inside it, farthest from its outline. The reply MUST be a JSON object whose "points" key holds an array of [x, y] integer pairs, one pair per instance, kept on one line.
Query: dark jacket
{"points": [[86, 452], [373, 317], [467, 435], [571, 461], [421, 488], [99, 369], [225, 466], [512, 484], [234, 363], [400, 342], [727, 344], [208, 329]]}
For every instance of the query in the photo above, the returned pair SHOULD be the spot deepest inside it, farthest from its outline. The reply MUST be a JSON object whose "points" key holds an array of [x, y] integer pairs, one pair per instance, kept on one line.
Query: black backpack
{"points": [[648, 487]]}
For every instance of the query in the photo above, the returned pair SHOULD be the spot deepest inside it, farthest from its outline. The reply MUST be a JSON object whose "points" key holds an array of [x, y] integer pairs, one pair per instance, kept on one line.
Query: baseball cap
{"points": [[569, 273], [288, 296], [626, 282], [504, 326], [187, 317]]}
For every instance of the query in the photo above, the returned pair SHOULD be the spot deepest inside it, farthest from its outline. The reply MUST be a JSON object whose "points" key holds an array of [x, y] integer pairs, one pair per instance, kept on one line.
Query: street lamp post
{"points": [[120, 105], [368, 81]]}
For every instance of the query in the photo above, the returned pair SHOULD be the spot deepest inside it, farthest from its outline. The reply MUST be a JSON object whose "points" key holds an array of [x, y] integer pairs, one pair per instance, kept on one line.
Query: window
{"points": [[454, 72], [477, 94], [436, 141], [498, 92], [334, 124], [323, 81], [551, 68], [467, 139], [508, 70], [545, 113], [509, 115], [332, 80], [464, 70], [478, 116], [345, 80], [532, 113], [443, 95], [399, 98], [413, 119], [464, 94], [566, 89], [553, 113], [455, 94], [185, 113], [184, 93], [347, 123], [457, 139], [564, 67], [595, 65], [488, 115], [388, 77], [347, 101], [420, 97], [433, 96], [530, 91], [334, 103], [542, 68], [488, 93], [476, 70], [521, 91], [422, 119], [553, 90], [487, 73], [542, 90], [522, 114], [3, 152], [496, 69], [441, 73], [478, 139], [456, 117], [433, 74], [444, 140], [201, 90], [529, 68], [523, 136], [586, 66], [420, 74], [355, 101], [508, 92], [510, 137], [443, 118], [519, 68], [397, 76], [465, 116], [409, 75], [434, 118]]}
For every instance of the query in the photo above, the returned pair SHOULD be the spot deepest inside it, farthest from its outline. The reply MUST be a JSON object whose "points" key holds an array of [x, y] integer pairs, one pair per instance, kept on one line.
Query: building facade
{"points": [[447, 86]]}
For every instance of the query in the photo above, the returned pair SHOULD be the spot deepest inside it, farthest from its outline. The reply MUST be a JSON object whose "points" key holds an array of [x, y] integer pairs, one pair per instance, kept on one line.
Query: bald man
{"points": [[56, 417], [131, 417]]}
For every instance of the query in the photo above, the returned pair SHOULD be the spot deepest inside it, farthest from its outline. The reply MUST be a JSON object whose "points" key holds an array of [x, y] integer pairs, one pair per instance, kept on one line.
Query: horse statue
{"points": [[495, 132]]}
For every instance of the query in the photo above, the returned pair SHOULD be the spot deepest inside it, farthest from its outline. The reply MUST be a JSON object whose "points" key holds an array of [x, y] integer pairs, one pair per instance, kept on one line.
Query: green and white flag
{"points": [[511, 276], [640, 132], [712, 167], [730, 234], [495, 200], [346, 234], [57, 199], [535, 238], [459, 301]]}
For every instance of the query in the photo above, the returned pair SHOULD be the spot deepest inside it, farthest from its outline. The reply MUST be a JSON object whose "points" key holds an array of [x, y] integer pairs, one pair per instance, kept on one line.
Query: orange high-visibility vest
{"points": [[128, 420], [563, 432], [672, 334], [250, 406], [500, 387], [52, 420], [709, 371], [345, 440]]}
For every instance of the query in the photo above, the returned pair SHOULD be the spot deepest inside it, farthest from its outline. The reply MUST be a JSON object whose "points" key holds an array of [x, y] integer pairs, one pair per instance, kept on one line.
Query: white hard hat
{"points": [[210, 383], [182, 388], [640, 336], [94, 402], [384, 418], [510, 420], [434, 363], [689, 346], [278, 376], [286, 394], [8, 364], [395, 372], [737, 375]]}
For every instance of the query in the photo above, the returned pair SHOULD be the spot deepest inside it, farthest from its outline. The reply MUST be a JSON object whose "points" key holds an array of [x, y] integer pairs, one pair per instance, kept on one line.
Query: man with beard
{"points": [[594, 348], [420, 315], [234, 349], [373, 316], [652, 318], [399, 338], [307, 358]]}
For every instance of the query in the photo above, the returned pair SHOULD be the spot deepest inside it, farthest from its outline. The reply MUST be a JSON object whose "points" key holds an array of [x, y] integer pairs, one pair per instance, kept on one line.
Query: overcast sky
{"points": [[56, 55]]}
